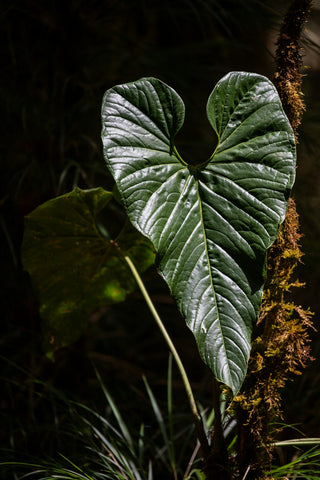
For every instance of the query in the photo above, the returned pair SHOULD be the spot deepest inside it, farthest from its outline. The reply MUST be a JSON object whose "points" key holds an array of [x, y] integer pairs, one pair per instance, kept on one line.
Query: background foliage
{"points": [[58, 58]]}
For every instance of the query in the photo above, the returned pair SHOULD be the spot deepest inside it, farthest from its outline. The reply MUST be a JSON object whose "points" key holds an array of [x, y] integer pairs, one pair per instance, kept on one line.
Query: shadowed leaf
{"points": [[74, 269]]}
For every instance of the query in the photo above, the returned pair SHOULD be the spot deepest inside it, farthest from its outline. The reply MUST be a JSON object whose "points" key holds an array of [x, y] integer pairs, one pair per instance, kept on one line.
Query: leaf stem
{"points": [[194, 410]]}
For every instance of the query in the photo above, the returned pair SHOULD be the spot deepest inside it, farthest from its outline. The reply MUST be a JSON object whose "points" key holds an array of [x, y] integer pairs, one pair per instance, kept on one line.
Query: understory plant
{"points": [[208, 227], [105, 446]]}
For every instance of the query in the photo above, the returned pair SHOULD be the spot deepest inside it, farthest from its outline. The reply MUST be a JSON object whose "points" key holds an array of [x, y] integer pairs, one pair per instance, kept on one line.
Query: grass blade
{"points": [[157, 414], [122, 425]]}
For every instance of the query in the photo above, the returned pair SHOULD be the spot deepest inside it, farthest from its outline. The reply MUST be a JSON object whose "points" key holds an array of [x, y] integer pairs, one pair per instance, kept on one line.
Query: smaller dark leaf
{"points": [[73, 268]]}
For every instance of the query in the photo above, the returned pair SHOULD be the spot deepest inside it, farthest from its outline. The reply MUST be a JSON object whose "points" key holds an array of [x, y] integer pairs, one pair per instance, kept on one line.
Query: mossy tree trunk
{"points": [[280, 347]]}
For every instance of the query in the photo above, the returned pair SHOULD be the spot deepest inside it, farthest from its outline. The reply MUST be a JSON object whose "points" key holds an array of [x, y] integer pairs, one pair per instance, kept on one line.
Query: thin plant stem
{"points": [[169, 402], [193, 406], [192, 458]]}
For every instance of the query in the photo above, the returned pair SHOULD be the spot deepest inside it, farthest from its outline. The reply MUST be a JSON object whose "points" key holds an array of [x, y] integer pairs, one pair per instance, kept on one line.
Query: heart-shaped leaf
{"points": [[74, 269], [211, 224]]}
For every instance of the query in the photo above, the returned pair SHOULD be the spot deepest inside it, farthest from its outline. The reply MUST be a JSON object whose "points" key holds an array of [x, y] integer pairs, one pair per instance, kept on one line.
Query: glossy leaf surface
{"points": [[74, 269], [211, 224]]}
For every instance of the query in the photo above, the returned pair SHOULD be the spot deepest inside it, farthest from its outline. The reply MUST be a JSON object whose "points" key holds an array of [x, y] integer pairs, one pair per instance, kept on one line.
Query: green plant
{"points": [[211, 225], [106, 446], [278, 348], [74, 263]]}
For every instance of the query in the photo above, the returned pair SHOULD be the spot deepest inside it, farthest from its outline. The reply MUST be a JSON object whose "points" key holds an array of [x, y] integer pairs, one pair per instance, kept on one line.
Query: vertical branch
{"points": [[281, 349], [288, 76]]}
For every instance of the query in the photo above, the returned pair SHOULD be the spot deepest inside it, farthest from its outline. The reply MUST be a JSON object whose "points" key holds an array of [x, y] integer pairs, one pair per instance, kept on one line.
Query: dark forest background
{"points": [[57, 60]]}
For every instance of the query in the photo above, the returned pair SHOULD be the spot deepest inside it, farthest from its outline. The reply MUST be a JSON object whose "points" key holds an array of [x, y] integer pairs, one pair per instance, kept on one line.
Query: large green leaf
{"points": [[211, 224], [74, 269]]}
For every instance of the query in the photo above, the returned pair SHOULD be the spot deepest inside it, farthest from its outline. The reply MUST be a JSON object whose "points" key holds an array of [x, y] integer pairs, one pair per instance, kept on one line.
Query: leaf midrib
{"points": [[211, 279]]}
